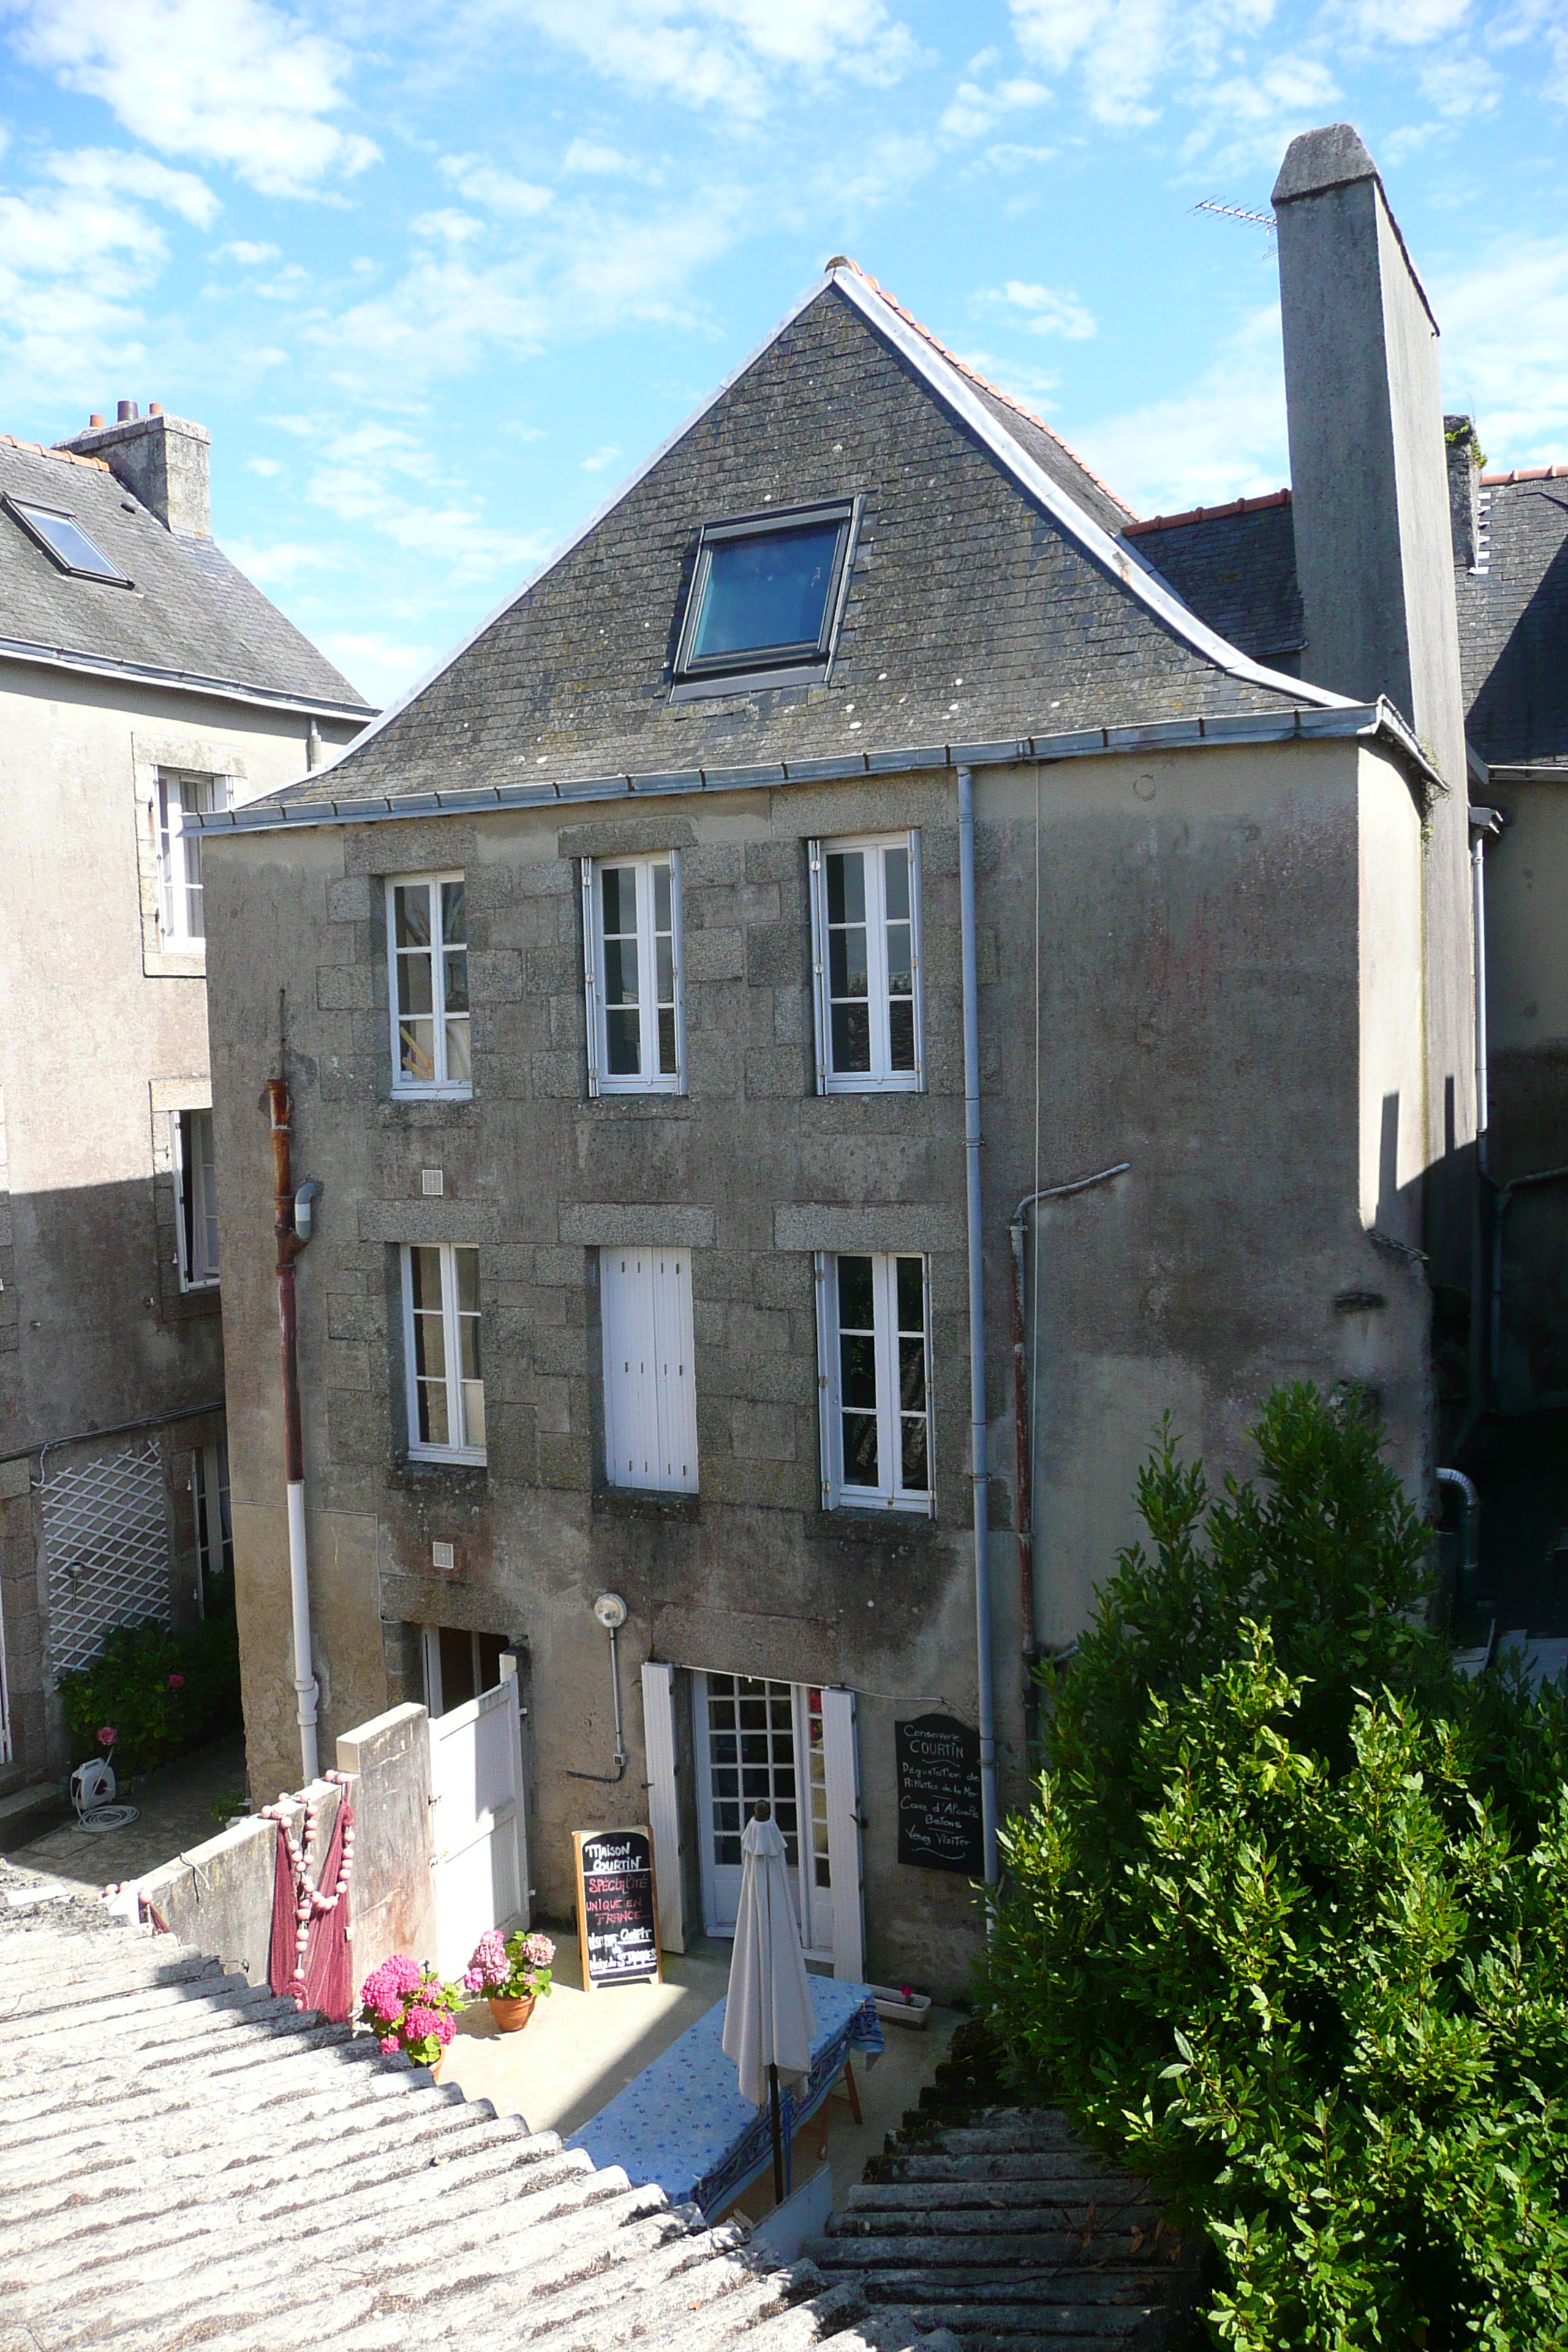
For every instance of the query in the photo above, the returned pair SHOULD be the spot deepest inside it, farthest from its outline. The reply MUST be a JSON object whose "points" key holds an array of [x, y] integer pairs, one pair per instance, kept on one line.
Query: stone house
{"points": [[709, 987], [142, 679]]}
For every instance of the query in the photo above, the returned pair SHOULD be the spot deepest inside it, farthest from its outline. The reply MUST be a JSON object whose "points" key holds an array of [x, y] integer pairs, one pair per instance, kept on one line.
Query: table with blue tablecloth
{"points": [[684, 2124]]}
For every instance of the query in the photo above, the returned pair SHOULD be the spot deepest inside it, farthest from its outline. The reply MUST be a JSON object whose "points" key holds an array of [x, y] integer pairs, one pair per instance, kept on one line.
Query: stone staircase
{"points": [[186, 2161], [1005, 2230]]}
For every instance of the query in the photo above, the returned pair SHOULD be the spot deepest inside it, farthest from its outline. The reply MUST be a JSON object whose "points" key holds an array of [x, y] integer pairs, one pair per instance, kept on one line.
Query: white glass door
{"points": [[759, 1739]]}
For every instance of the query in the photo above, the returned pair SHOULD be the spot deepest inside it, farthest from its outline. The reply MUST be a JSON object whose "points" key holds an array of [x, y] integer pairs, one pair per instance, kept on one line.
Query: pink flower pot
{"points": [[512, 2016]]}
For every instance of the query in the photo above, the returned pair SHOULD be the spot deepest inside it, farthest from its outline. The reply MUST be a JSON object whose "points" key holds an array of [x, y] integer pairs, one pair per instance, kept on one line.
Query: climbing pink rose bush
{"points": [[408, 2008], [510, 1967]]}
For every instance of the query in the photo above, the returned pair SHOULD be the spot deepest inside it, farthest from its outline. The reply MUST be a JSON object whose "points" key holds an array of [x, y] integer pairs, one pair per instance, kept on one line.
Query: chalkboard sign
{"points": [[618, 1918], [939, 1795]]}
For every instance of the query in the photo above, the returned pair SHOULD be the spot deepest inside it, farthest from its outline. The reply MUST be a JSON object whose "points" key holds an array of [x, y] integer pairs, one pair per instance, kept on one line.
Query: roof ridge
{"points": [[1209, 514], [65, 457], [963, 367], [1524, 474]]}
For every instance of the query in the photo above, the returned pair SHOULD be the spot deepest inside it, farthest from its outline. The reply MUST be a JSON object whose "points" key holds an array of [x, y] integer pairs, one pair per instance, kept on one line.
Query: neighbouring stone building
{"points": [[142, 679], [629, 965]]}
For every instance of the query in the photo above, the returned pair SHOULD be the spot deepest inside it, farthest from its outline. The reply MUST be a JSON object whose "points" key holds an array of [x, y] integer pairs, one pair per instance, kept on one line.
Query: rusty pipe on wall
{"points": [[1022, 1434], [290, 1244]]}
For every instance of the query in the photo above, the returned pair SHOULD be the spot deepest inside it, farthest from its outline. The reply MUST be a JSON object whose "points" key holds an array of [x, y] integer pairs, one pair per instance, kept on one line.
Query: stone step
{"points": [[1120, 2193], [973, 2252], [1037, 2163], [988, 2220]]}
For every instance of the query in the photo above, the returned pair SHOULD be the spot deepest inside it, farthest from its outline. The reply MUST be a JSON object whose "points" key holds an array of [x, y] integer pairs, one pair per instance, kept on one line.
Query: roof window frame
{"points": [[22, 512], [759, 665]]}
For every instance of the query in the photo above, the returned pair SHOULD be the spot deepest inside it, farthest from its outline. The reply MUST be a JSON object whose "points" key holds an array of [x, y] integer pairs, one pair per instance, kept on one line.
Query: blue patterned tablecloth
{"points": [[683, 2122]]}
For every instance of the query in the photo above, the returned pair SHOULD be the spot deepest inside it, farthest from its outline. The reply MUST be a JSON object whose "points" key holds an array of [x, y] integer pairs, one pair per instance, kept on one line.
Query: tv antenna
{"points": [[1265, 221]]}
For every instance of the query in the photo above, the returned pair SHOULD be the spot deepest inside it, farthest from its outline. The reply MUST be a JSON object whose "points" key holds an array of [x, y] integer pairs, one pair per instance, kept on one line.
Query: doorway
{"points": [[458, 1665], [758, 1739]]}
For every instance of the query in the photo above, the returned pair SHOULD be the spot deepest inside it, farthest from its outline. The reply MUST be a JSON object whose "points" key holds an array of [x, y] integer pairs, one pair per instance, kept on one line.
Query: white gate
{"points": [[480, 1858]]}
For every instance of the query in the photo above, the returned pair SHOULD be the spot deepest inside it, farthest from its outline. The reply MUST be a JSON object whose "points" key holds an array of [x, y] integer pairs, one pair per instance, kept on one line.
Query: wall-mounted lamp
{"points": [[610, 1610]]}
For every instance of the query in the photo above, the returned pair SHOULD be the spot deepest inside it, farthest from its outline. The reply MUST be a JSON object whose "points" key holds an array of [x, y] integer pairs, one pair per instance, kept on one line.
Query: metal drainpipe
{"points": [[979, 1473], [1478, 913], [1024, 1434], [1469, 1566], [288, 1246]]}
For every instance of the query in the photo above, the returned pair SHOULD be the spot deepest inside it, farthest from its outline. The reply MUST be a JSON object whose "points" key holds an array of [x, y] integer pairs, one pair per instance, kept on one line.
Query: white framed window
{"points": [[215, 1531], [195, 1197], [650, 1396], [182, 794], [427, 983], [441, 1351], [866, 959], [631, 936], [874, 1343]]}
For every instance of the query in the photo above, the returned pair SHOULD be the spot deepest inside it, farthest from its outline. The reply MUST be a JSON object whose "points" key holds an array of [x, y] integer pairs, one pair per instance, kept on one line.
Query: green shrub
{"points": [[161, 1693], [1287, 1922]]}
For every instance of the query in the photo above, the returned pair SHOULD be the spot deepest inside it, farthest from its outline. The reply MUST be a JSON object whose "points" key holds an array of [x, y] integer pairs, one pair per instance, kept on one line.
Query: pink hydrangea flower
{"points": [[538, 1951], [445, 2025], [421, 2023], [176, 1682], [489, 1962], [107, 1734], [389, 2045], [473, 1980]]}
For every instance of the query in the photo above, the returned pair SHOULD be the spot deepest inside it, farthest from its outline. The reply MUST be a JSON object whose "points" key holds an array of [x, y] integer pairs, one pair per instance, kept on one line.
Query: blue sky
{"points": [[436, 278]]}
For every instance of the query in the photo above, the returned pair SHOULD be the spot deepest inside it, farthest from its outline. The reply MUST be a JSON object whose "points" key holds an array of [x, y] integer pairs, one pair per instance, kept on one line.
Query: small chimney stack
{"points": [[161, 460], [1465, 463], [93, 422]]}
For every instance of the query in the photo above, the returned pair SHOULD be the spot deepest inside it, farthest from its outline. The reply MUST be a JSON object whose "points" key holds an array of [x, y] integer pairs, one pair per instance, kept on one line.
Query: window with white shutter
{"points": [[195, 1197], [650, 1397]]}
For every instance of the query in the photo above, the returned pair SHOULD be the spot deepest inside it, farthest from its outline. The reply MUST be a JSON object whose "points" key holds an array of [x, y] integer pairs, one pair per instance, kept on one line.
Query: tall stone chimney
{"points": [[1369, 472], [162, 460]]}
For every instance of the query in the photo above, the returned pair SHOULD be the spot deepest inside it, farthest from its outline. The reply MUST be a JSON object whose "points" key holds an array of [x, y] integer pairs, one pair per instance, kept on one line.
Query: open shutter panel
{"points": [[675, 1391], [183, 1180], [590, 977], [827, 1343], [818, 961], [663, 1803], [842, 1773]]}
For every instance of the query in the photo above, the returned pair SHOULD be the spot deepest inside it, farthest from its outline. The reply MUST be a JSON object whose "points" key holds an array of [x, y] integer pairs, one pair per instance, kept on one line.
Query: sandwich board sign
{"points": [[617, 1914]]}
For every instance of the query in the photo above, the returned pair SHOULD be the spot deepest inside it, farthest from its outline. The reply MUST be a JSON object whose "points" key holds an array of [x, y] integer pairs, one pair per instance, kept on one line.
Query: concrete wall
{"points": [[218, 1897], [1211, 1008], [107, 1035]]}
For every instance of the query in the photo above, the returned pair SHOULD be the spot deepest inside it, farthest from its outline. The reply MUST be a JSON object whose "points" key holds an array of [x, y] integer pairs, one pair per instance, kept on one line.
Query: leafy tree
{"points": [[1287, 1920]]}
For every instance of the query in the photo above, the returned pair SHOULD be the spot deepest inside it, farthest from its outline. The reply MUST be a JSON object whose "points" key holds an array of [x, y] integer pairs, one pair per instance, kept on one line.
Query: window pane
{"points": [[454, 914], [766, 592], [661, 899], [896, 868], [429, 1347], [623, 1036], [473, 1412], [457, 968], [619, 887], [914, 1474], [902, 1035], [851, 1039], [846, 886], [855, 1312], [432, 1413], [413, 983], [417, 1050], [466, 1264], [900, 961], [664, 970], [190, 848], [667, 1042], [425, 1269], [70, 542], [911, 1294], [411, 914], [847, 961], [856, 1369], [458, 1068], [860, 1449], [913, 1375], [621, 972]]}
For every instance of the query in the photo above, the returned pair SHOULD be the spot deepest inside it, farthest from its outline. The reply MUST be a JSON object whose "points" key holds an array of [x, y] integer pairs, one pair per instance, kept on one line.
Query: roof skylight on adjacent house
{"points": [[766, 597], [62, 537]]}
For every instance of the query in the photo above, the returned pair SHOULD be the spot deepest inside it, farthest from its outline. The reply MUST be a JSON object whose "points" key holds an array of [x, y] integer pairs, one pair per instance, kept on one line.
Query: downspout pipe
{"points": [[1023, 1434], [289, 1248], [979, 1473], [1470, 1505]]}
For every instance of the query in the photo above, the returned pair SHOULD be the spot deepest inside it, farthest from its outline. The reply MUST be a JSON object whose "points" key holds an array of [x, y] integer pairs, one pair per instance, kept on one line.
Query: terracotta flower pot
{"points": [[512, 2016]]}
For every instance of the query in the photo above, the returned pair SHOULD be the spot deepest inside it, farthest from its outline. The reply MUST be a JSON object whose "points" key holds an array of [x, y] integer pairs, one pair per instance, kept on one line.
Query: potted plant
{"points": [[510, 1972], [408, 2008]]}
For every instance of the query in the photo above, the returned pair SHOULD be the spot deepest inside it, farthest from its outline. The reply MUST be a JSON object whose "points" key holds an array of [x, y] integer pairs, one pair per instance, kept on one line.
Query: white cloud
{"points": [[1223, 437], [1248, 120], [380, 665], [107, 171], [1514, 382], [268, 467], [242, 84], [1460, 84], [602, 457], [722, 53], [972, 110], [485, 183], [594, 158], [247, 253], [1125, 47], [1043, 310]]}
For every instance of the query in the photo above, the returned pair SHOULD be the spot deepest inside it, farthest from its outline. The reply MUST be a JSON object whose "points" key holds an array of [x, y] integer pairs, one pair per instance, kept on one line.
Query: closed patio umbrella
{"points": [[769, 2016]]}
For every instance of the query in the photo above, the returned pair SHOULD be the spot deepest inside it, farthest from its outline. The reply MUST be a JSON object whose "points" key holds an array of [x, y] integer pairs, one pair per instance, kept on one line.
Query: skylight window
{"points": [[62, 537], [766, 597]]}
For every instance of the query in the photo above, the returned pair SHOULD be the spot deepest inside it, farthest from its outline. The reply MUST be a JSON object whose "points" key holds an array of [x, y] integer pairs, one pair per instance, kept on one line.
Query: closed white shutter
{"points": [[651, 1398], [675, 1392], [842, 1773], [663, 1800]]}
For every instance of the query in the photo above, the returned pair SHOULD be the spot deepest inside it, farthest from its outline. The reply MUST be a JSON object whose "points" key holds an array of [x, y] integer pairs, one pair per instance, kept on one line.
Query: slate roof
{"points": [[986, 599], [1513, 624], [186, 2160], [1235, 566], [189, 614]]}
